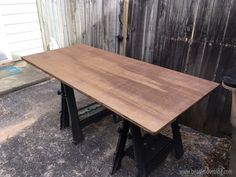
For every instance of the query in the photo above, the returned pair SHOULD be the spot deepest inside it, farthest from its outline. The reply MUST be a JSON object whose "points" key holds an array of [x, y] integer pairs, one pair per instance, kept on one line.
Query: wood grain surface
{"points": [[147, 95]]}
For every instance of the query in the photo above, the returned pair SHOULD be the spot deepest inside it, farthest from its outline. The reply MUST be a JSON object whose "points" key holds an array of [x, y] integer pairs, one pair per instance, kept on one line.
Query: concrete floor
{"points": [[28, 76], [32, 144]]}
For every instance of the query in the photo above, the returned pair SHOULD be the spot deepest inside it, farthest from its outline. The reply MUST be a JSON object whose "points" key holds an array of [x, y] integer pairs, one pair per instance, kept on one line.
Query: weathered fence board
{"points": [[92, 22]]}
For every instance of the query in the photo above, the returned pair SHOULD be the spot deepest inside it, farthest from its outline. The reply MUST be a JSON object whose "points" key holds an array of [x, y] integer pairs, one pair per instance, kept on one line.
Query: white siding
{"points": [[21, 23]]}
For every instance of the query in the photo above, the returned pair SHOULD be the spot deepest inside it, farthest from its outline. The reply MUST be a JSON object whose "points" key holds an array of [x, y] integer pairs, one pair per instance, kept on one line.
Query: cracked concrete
{"points": [[28, 76], [35, 146]]}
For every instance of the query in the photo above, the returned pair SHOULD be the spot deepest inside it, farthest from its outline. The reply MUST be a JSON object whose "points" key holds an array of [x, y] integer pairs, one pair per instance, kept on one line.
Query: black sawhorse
{"points": [[147, 150], [69, 112]]}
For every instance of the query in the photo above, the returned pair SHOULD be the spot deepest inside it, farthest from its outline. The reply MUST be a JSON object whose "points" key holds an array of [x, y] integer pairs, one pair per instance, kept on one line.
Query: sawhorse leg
{"points": [[123, 131], [137, 148], [144, 156], [139, 155], [64, 118], [116, 118], [177, 141], [69, 108]]}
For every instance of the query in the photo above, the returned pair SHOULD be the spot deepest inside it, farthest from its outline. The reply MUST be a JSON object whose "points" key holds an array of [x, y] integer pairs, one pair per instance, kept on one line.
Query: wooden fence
{"points": [[92, 22], [193, 36]]}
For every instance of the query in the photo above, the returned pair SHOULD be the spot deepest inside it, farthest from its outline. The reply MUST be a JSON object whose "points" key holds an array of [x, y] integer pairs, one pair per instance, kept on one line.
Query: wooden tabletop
{"points": [[147, 95]]}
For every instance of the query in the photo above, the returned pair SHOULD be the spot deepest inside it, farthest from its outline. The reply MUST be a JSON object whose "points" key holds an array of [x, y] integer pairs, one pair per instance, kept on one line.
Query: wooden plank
{"points": [[230, 37], [147, 95]]}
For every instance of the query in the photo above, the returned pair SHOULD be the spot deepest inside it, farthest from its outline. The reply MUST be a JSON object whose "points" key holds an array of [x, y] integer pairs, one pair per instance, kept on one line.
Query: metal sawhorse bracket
{"points": [[69, 112]]}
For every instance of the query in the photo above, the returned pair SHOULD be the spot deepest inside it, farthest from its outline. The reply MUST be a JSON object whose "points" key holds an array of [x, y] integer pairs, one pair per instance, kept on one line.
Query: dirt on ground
{"points": [[31, 143]]}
